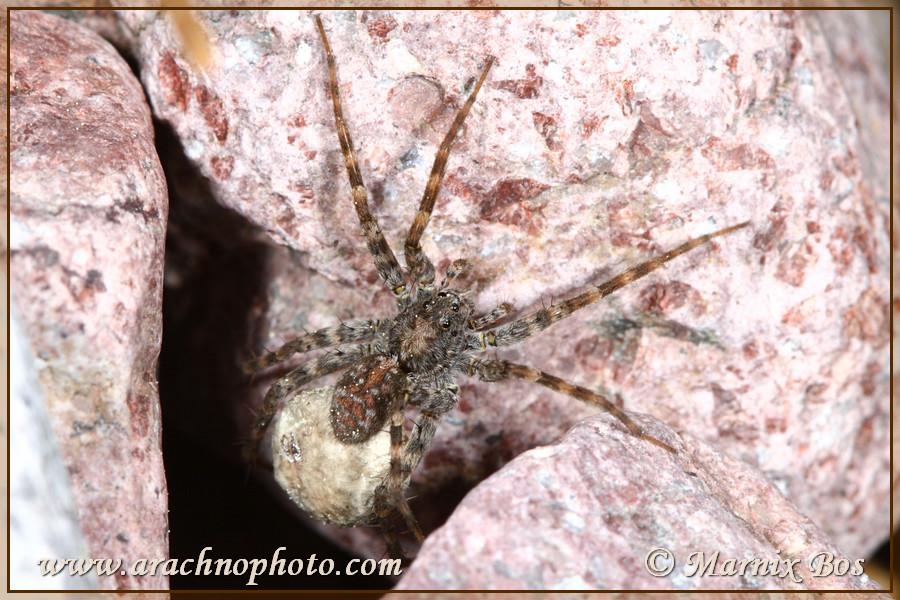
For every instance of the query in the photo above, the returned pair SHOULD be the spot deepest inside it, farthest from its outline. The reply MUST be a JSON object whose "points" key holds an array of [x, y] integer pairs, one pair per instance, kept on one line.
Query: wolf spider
{"points": [[414, 357]]}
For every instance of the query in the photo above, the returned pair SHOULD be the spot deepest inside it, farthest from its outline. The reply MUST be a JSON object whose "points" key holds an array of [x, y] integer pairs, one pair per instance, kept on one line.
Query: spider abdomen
{"points": [[363, 396]]}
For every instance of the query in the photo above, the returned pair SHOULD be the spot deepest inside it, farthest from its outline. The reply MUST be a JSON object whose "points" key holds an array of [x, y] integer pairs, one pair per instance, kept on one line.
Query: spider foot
{"points": [[391, 539], [653, 440], [250, 454], [636, 430], [388, 500]]}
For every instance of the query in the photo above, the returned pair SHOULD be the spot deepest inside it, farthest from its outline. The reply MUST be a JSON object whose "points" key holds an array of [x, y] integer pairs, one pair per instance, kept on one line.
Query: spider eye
{"points": [[426, 304], [455, 307], [442, 294], [445, 323]]}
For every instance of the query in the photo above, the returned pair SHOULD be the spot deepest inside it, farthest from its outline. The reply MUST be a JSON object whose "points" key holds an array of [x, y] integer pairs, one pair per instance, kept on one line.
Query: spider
{"points": [[414, 357]]}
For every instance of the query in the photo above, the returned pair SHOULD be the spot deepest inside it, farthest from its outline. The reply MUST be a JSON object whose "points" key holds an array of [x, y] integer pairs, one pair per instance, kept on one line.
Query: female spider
{"points": [[415, 357]]}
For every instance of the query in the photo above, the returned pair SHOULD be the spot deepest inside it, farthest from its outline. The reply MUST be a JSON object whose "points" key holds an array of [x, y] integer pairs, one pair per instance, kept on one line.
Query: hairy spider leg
{"points": [[499, 312], [524, 328], [385, 262], [433, 403], [311, 370], [354, 331], [389, 494], [497, 370], [421, 270], [456, 269]]}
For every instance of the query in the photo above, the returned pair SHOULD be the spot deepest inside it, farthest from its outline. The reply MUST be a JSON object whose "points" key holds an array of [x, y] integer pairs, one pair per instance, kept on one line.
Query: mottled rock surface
{"points": [[602, 510], [599, 140], [88, 217], [43, 524]]}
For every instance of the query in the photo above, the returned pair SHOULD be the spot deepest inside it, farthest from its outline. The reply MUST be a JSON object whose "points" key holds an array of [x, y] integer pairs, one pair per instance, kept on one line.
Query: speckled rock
{"points": [[87, 225], [43, 524], [599, 140], [603, 510]]}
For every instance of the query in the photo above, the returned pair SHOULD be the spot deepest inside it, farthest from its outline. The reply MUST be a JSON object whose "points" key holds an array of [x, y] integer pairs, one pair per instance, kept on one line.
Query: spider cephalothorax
{"points": [[430, 331], [415, 357]]}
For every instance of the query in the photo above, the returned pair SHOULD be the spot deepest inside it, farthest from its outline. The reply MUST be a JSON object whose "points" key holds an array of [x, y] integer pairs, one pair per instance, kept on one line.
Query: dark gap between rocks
{"points": [[215, 272]]}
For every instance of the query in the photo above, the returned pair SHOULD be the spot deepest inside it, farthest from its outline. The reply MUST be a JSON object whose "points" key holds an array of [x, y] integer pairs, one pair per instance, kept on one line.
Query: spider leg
{"points": [[420, 268], [354, 331], [391, 539], [497, 370], [389, 495], [310, 370], [492, 317], [457, 268], [385, 262], [433, 402], [524, 328]]}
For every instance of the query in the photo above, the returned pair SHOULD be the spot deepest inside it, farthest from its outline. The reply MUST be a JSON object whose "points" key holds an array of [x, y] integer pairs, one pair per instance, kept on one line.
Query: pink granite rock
{"points": [[43, 522], [602, 510], [87, 225], [599, 140]]}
